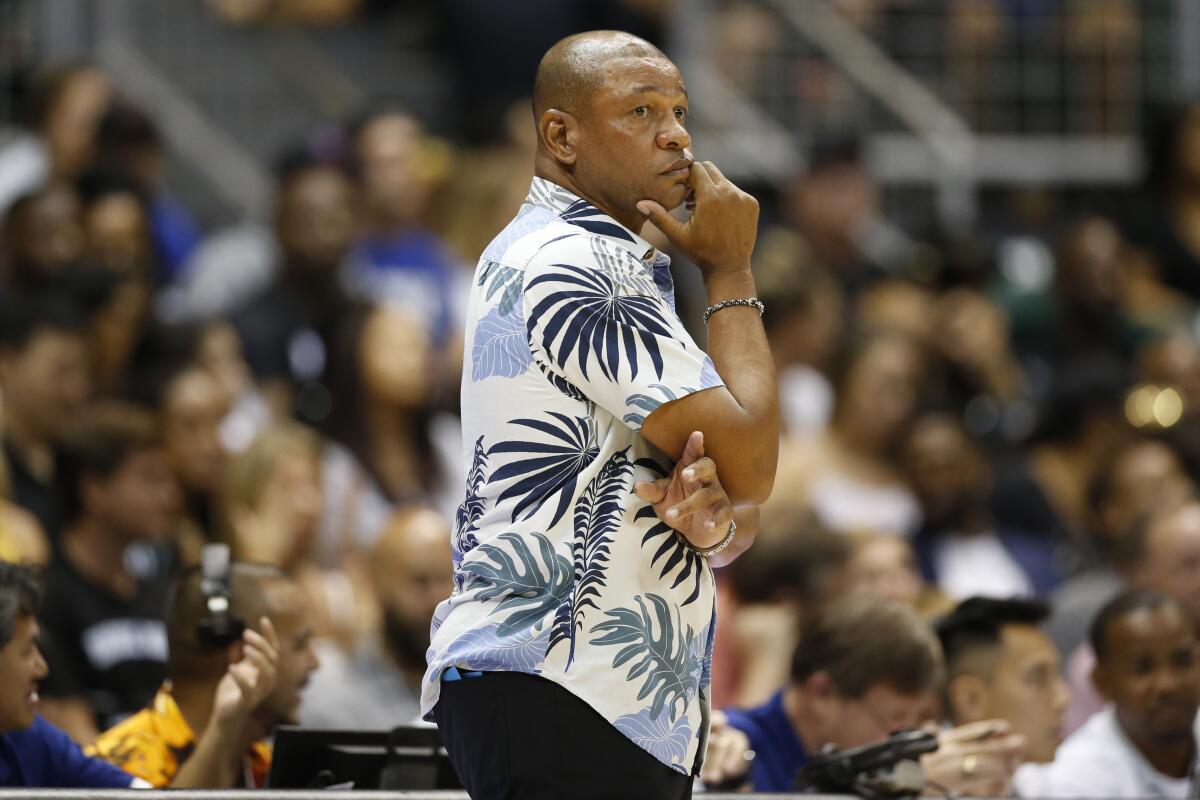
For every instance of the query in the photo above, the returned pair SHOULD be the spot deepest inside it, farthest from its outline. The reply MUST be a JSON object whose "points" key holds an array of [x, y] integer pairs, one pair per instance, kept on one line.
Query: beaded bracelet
{"points": [[753, 302], [709, 552]]}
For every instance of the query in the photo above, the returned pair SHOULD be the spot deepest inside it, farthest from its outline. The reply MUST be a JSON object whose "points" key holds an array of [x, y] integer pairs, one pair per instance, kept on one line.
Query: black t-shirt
{"points": [[103, 648], [43, 500]]}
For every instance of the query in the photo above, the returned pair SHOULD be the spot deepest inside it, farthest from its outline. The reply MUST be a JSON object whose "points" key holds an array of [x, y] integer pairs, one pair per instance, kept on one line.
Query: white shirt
{"points": [[561, 571], [1098, 760], [978, 565]]}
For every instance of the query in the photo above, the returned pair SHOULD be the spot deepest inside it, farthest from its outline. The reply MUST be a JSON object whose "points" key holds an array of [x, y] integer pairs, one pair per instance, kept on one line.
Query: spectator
{"points": [[862, 670], [961, 548], [379, 685], [43, 237], [34, 753], [1001, 665], [1082, 422], [1173, 362], [400, 261], [1144, 743], [116, 224], [44, 381], [63, 112], [884, 565], [848, 477], [383, 376], [219, 353], [1161, 554], [103, 618], [130, 141], [1141, 478], [287, 328], [233, 689], [192, 406]]}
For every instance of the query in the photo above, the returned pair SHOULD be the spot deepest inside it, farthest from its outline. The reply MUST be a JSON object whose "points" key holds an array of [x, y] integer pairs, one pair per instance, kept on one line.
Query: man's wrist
{"points": [[729, 285]]}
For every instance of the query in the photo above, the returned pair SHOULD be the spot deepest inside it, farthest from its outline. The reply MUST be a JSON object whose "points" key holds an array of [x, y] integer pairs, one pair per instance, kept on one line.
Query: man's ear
{"points": [[559, 130], [967, 695]]}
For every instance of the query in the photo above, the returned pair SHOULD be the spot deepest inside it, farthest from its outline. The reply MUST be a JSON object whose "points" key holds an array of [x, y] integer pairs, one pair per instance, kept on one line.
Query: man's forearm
{"points": [[214, 762], [737, 344], [746, 518]]}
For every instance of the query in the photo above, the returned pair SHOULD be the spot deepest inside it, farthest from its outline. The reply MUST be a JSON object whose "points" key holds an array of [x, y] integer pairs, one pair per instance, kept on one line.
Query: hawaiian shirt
{"points": [[154, 743], [561, 570]]}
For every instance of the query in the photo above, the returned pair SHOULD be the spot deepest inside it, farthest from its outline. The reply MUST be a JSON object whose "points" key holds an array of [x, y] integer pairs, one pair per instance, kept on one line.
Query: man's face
{"points": [[21, 667], [1027, 689], [1172, 563], [1146, 477], [141, 498], [393, 177], [944, 471], [880, 712], [316, 223], [632, 142], [193, 408], [51, 237], [412, 573], [47, 382], [1152, 674], [297, 659], [118, 234]]}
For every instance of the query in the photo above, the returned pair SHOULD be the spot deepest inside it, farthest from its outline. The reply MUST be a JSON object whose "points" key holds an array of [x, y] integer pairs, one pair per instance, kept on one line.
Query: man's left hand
{"points": [[691, 499]]}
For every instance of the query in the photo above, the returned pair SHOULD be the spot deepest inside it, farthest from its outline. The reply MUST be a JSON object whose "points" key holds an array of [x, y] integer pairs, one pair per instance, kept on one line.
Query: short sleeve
{"points": [[596, 318]]}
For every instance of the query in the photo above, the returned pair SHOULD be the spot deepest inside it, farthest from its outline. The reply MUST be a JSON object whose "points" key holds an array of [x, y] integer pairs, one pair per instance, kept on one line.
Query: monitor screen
{"points": [[403, 758]]}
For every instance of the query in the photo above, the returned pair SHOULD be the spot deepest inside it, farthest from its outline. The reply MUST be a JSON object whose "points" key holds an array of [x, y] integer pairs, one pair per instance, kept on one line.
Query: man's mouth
{"points": [[680, 169]]}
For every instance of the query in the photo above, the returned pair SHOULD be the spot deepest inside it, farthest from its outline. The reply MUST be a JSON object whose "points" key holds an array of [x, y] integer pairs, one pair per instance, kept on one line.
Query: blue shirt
{"points": [[778, 752], [42, 756]]}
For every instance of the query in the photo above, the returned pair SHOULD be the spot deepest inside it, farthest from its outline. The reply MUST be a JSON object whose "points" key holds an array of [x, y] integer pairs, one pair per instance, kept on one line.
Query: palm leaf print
{"points": [[680, 559], [466, 520], [647, 403], [499, 278], [597, 515], [667, 658], [552, 467], [522, 588], [588, 315], [590, 218]]}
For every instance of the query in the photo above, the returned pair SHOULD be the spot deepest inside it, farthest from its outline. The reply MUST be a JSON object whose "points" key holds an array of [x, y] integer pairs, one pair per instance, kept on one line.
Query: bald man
{"points": [[379, 686], [608, 451]]}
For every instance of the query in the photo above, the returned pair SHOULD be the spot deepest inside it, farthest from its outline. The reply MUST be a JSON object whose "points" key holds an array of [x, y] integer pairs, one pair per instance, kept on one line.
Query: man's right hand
{"points": [[248, 682], [720, 235]]}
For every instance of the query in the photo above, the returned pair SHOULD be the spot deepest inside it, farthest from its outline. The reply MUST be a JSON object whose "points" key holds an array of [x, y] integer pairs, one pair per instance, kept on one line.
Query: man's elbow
{"points": [[751, 485]]}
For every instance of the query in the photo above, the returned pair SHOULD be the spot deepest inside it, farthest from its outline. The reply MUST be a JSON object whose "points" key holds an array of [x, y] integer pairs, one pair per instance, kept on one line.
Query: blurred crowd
{"points": [[971, 417]]}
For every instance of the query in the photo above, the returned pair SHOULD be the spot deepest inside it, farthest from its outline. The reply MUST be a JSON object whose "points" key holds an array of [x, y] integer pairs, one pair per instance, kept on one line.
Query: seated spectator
{"points": [[400, 261], [43, 237], [1142, 477], [863, 669], [63, 110], [961, 548], [44, 382], [34, 753], [116, 224], [130, 141], [192, 405], [379, 685], [206, 726], [287, 327], [393, 443], [103, 619], [848, 476], [1000, 665], [1144, 743], [884, 565], [1161, 554]]}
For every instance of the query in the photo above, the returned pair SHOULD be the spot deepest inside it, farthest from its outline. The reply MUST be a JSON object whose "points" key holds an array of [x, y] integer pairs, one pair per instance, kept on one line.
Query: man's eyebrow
{"points": [[651, 89]]}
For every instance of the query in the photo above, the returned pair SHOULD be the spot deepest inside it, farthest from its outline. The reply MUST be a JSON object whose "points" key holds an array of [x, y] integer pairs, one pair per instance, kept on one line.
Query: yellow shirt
{"points": [[154, 743]]}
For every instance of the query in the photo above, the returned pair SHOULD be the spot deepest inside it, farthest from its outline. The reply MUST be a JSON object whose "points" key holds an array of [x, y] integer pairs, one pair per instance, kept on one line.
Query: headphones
{"points": [[219, 627]]}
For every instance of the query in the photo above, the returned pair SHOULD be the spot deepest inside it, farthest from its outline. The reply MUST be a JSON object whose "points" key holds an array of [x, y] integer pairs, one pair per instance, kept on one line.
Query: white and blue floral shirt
{"points": [[561, 570]]}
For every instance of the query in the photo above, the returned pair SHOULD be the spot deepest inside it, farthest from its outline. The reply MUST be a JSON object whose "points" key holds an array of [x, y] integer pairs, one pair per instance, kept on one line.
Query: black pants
{"points": [[513, 736]]}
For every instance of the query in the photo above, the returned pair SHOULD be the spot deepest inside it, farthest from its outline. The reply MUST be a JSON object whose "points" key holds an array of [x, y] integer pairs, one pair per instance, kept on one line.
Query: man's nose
{"points": [[674, 136]]}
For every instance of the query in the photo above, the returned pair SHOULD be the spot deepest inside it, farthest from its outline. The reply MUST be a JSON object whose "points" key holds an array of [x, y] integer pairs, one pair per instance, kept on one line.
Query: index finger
{"points": [[973, 731], [715, 174], [268, 631], [701, 179]]}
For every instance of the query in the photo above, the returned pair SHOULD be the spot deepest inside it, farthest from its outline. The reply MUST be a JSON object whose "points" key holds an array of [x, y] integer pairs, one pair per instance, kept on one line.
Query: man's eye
{"points": [[641, 111], [681, 113]]}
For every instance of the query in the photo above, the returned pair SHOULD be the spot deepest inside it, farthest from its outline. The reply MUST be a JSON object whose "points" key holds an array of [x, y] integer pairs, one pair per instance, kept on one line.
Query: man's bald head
{"points": [[574, 68]]}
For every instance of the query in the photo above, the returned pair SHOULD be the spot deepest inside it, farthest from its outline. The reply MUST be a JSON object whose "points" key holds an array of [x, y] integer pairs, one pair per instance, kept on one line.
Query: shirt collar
{"points": [[577, 211]]}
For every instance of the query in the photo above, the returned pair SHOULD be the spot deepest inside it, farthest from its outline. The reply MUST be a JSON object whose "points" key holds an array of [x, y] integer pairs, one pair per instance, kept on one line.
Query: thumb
{"points": [[662, 219], [651, 491]]}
